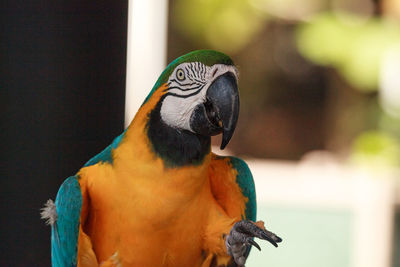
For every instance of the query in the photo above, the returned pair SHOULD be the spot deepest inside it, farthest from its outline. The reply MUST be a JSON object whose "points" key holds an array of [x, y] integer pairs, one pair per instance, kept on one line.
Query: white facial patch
{"points": [[188, 85]]}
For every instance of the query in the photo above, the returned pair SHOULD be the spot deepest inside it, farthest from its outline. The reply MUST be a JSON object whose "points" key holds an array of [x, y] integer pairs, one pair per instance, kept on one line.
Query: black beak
{"points": [[220, 112]]}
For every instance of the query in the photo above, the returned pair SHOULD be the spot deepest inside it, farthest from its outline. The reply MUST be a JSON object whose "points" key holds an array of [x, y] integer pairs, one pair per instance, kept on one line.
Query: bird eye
{"points": [[180, 74]]}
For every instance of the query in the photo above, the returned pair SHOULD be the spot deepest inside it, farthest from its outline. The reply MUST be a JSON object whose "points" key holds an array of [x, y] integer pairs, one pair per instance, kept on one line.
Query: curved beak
{"points": [[220, 112]]}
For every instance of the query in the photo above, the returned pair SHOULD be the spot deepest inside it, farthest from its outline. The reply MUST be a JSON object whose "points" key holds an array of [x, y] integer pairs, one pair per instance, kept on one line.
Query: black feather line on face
{"points": [[193, 71], [182, 84], [196, 69], [188, 89], [174, 146], [184, 96], [203, 73]]}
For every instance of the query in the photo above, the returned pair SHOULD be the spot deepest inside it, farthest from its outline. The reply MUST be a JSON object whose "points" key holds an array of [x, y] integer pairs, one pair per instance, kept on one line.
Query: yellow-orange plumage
{"points": [[137, 212], [157, 195]]}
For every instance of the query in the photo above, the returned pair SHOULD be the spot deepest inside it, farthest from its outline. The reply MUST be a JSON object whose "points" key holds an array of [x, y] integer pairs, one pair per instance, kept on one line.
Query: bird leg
{"points": [[241, 237]]}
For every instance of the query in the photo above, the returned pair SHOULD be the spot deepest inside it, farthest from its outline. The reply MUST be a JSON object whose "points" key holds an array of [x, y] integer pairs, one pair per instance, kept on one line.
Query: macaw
{"points": [[157, 195]]}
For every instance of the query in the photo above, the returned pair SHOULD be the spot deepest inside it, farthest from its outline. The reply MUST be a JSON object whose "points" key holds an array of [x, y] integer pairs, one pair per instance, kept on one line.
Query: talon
{"points": [[254, 243], [271, 237], [240, 239]]}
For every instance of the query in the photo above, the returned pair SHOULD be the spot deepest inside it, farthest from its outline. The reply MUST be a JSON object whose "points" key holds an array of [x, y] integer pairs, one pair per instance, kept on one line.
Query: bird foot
{"points": [[241, 238]]}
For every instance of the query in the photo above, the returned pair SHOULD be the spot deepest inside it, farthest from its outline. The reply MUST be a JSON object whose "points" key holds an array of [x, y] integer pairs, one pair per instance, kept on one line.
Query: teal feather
{"points": [[246, 183], [65, 232], [106, 154]]}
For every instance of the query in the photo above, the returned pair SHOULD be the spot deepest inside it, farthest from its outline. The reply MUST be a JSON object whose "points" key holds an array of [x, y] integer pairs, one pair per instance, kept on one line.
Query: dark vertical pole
{"points": [[62, 84]]}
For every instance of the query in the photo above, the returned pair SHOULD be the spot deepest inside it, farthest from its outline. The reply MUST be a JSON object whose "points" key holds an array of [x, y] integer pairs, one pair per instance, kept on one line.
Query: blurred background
{"points": [[319, 121]]}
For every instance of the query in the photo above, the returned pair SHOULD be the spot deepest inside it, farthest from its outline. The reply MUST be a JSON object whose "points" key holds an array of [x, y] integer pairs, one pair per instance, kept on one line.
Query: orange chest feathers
{"points": [[143, 214], [155, 216], [158, 218]]}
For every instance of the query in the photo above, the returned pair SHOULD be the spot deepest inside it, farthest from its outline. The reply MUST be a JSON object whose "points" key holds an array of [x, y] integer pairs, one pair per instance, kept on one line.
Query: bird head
{"points": [[201, 95]]}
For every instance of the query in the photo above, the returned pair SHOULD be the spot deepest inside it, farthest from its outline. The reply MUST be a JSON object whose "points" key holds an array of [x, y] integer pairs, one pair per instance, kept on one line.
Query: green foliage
{"points": [[353, 45], [389, 124], [225, 25], [289, 9], [376, 149]]}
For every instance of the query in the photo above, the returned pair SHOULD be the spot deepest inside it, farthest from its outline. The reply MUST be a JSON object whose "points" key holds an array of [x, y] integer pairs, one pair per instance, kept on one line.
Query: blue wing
{"points": [[106, 154], [245, 181], [65, 232]]}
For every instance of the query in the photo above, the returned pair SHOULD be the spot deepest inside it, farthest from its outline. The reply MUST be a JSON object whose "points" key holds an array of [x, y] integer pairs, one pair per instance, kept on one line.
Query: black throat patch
{"points": [[176, 147]]}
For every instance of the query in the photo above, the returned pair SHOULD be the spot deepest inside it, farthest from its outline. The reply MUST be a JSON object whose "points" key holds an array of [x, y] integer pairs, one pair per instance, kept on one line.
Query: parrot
{"points": [[158, 195]]}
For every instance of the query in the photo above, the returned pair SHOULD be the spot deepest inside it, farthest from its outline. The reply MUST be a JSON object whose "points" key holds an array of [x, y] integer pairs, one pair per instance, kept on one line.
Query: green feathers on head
{"points": [[207, 57]]}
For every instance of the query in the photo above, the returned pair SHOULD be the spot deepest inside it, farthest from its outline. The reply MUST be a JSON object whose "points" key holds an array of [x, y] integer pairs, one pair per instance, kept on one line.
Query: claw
{"points": [[240, 239], [271, 237], [254, 243]]}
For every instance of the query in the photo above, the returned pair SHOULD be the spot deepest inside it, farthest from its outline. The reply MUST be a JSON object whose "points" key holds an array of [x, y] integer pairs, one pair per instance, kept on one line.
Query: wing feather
{"points": [[245, 181], [65, 231]]}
